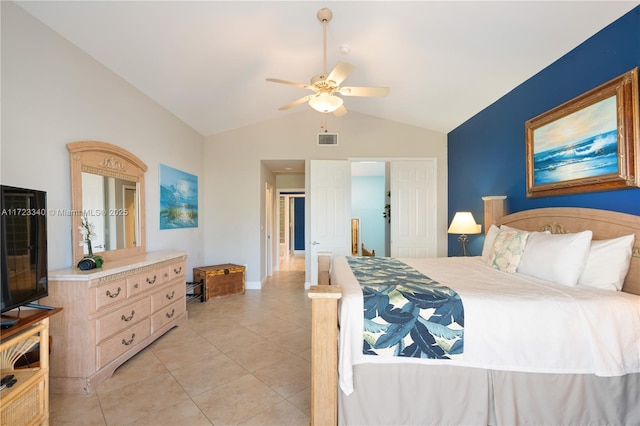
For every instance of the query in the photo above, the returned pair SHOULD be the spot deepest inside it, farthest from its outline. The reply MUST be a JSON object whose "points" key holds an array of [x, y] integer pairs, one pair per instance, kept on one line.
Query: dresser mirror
{"points": [[107, 188]]}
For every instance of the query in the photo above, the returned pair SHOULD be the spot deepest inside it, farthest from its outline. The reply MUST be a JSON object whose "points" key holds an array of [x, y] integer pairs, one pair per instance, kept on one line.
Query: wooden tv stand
{"points": [[27, 401]]}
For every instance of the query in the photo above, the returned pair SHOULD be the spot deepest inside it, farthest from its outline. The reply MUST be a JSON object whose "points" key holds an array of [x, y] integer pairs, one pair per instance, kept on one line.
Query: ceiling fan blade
{"points": [[290, 83], [364, 91], [295, 103], [340, 111], [340, 72]]}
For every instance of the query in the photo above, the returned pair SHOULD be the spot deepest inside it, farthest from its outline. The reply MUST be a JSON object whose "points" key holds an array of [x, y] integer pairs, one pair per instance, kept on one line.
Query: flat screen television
{"points": [[23, 247]]}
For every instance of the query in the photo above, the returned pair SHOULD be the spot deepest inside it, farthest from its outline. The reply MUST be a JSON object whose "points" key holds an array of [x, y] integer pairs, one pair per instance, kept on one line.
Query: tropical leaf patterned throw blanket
{"points": [[407, 313]]}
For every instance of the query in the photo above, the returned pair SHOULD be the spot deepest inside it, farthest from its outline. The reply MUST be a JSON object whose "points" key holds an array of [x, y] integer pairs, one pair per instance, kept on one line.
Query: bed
{"points": [[575, 360]]}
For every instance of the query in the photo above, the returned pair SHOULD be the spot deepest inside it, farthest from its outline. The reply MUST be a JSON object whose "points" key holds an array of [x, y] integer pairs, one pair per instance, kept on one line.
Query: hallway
{"points": [[292, 263]]}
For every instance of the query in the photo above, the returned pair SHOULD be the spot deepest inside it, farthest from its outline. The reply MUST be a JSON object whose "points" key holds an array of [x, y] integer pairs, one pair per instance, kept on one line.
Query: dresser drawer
{"points": [[167, 314], [168, 295], [122, 342], [178, 270], [108, 294], [134, 285], [122, 318], [154, 278]]}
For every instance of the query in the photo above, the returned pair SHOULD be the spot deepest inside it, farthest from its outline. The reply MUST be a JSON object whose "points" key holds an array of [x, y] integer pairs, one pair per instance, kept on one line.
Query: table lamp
{"points": [[463, 223]]}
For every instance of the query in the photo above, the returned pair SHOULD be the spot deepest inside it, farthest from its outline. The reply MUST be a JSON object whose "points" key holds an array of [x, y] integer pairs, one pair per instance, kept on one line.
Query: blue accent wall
{"points": [[486, 154]]}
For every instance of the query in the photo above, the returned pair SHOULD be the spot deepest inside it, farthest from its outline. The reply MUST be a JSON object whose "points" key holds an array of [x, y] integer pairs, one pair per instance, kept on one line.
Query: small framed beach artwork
{"points": [[590, 143], [178, 199]]}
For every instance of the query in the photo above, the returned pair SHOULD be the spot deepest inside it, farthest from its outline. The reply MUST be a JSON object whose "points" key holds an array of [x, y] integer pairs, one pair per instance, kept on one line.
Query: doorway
{"points": [[369, 189], [269, 229], [412, 190], [292, 230]]}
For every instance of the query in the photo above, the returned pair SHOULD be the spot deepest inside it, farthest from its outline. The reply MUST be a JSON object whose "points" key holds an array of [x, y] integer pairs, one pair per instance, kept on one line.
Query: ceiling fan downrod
{"points": [[324, 16]]}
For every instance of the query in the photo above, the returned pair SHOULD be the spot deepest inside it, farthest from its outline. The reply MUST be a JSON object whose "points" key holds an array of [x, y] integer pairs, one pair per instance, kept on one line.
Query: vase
{"points": [[89, 248]]}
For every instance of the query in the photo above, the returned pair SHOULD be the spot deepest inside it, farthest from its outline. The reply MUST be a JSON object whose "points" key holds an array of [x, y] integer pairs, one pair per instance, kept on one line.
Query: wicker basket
{"points": [[27, 407]]}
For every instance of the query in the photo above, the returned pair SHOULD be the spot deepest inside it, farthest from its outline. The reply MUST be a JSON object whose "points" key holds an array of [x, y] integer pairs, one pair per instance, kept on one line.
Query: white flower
{"points": [[86, 229]]}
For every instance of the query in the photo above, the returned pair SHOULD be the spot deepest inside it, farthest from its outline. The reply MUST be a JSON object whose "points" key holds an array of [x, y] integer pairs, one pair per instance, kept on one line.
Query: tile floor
{"points": [[239, 360]]}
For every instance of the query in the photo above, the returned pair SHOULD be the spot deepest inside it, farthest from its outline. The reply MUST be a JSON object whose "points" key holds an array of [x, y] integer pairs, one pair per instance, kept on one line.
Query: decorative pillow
{"points": [[560, 258], [608, 263], [488, 242], [491, 236], [507, 250]]}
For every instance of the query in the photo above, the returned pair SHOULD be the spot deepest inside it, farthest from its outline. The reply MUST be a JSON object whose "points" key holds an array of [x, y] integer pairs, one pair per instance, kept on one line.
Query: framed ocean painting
{"points": [[590, 143], [178, 199]]}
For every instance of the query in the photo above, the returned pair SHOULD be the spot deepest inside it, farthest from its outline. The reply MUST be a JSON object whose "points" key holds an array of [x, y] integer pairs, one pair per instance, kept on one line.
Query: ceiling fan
{"points": [[326, 87]]}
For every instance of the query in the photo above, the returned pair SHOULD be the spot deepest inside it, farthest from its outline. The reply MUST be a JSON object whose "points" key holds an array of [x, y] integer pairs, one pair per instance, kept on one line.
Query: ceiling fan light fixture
{"points": [[325, 102]]}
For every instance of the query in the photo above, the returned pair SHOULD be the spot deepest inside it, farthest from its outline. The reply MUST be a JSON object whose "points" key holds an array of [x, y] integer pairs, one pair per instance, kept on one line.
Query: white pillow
{"points": [[608, 263], [560, 258], [507, 249], [488, 242]]}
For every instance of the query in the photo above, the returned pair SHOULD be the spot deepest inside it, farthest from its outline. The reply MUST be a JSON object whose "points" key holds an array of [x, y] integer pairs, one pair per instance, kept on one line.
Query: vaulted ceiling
{"points": [[207, 61]]}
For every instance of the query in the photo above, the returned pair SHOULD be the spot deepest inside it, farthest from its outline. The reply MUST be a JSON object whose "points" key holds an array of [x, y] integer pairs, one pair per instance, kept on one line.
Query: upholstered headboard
{"points": [[604, 225]]}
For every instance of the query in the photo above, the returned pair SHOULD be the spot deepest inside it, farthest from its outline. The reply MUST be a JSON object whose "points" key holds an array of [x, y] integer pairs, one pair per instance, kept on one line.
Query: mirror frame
{"points": [[109, 160]]}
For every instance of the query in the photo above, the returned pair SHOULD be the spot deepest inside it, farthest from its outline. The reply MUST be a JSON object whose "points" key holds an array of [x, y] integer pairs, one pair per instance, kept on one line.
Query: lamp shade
{"points": [[464, 223], [325, 102]]}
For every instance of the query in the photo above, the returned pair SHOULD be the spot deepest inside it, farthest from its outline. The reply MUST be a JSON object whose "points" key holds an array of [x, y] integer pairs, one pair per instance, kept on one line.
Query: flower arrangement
{"points": [[87, 230]]}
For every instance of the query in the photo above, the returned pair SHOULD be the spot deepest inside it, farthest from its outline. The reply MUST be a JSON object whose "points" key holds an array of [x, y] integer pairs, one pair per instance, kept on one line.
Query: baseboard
{"points": [[253, 285]]}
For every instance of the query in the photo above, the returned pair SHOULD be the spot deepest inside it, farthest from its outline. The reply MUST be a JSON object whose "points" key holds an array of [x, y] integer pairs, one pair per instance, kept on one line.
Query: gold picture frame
{"points": [[590, 143]]}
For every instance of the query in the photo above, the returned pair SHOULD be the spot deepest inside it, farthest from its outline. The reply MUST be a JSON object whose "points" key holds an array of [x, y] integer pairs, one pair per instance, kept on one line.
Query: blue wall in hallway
{"points": [[487, 152]]}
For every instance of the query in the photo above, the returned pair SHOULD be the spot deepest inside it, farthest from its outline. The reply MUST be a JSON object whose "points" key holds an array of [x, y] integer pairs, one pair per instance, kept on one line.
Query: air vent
{"points": [[327, 139]]}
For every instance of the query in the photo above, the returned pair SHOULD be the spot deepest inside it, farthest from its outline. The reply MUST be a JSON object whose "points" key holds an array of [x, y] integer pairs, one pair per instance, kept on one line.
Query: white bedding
{"points": [[513, 322]]}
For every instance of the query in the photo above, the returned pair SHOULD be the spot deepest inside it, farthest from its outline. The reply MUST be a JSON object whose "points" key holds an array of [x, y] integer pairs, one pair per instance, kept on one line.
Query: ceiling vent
{"points": [[327, 139]]}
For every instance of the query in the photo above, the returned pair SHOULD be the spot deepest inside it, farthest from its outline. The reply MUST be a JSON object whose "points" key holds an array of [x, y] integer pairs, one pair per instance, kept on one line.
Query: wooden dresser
{"points": [[110, 314]]}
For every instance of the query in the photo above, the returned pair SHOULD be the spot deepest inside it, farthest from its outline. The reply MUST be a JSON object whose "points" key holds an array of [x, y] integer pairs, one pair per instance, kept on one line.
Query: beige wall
{"points": [[293, 181], [52, 94], [235, 178]]}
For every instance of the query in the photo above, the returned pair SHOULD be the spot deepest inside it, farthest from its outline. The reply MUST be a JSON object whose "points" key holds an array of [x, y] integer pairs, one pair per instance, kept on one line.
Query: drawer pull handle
{"points": [[153, 280], [113, 295], [170, 315], [173, 294], [136, 285], [129, 318], [166, 275], [130, 341], [177, 271]]}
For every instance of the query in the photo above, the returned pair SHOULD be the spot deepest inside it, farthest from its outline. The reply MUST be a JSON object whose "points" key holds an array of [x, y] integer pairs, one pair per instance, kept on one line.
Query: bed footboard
{"points": [[324, 354]]}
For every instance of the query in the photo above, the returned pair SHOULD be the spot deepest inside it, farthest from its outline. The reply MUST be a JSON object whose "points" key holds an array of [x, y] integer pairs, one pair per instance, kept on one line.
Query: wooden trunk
{"points": [[220, 280]]}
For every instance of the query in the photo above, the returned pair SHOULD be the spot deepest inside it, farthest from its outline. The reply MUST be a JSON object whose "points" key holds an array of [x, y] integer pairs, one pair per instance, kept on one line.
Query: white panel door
{"points": [[330, 211], [413, 208]]}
